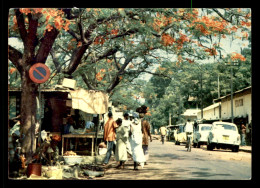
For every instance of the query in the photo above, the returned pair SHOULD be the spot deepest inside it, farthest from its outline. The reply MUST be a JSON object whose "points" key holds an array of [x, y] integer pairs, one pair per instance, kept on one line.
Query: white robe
{"points": [[136, 143], [121, 140]]}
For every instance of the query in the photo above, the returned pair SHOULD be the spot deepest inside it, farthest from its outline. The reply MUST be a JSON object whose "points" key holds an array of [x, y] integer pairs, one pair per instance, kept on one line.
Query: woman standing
{"points": [[121, 140], [146, 134], [136, 144]]}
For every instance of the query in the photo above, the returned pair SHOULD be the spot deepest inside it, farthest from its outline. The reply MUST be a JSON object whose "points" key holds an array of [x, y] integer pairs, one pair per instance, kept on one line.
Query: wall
{"points": [[210, 113], [239, 108]]}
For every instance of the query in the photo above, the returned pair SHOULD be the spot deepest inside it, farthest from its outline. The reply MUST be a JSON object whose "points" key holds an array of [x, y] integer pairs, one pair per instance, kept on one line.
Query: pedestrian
{"points": [[243, 135], [163, 133], [127, 123], [110, 137], [146, 134], [131, 117], [188, 130], [122, 134], [136, 143]]}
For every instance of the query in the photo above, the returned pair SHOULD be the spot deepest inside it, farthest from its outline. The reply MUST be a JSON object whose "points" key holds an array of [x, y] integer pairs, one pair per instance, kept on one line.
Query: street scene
{"points": [[129, 94], [171, 162]]}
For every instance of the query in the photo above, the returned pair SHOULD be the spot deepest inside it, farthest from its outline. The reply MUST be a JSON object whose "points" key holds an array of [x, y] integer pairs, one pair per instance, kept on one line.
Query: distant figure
{"points": [[122, 134], [188, 130], [243, 135], [163, 133], [110, 136], [146, 134]]}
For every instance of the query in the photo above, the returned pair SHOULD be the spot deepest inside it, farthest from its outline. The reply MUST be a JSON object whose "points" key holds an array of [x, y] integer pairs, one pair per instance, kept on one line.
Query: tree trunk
{"points": [[28, 116]]}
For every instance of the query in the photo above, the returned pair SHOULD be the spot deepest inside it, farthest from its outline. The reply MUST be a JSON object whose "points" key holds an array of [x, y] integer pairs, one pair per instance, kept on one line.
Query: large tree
{"points": [[106, 47]]}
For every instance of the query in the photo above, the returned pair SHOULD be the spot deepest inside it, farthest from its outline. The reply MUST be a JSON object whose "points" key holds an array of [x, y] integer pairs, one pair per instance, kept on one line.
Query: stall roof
{"points": [[89, 101], [42, 90]]}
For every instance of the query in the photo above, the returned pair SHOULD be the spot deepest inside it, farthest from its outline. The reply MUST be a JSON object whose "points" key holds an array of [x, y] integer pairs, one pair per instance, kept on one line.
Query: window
{"points": [[239, 102], [205, 128], [225, 127]]}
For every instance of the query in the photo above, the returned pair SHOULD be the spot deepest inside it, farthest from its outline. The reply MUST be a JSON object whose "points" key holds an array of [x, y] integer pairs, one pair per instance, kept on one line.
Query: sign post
{"points": [[39, 73]]}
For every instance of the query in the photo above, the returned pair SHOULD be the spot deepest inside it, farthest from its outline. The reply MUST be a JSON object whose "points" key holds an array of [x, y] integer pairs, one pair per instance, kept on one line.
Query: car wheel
{"points": [[209, 147], [198, 145], [194, 145], [235, 148]]}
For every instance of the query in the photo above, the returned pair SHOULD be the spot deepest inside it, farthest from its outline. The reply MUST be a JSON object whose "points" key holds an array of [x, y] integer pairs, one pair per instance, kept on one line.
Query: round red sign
{"points": [[39, 73]]}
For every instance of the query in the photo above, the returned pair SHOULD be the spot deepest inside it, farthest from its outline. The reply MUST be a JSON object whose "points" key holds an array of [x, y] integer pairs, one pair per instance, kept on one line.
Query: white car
{"points": [[223, 135], [201, 133]]}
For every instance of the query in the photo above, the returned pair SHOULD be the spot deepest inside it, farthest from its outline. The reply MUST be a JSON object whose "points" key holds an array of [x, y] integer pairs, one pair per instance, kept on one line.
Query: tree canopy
{"points": [[108, 49]]}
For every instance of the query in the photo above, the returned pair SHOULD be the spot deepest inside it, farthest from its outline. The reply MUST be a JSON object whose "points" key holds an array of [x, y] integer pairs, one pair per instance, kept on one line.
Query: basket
{"points": [[71, 160]]}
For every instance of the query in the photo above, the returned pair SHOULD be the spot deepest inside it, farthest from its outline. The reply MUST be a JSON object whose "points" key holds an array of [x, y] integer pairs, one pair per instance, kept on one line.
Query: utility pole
{"points": [[219, 106], [231, 86], [170, 118], [201, 96]]}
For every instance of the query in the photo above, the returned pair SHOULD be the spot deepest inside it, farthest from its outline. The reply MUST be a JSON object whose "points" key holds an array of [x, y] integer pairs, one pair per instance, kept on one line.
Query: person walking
{"points": [[110, 137], [122, 134], [188, 130], [163, 133], [127, 123], [146, 134], [243, 135], [136, 143]]}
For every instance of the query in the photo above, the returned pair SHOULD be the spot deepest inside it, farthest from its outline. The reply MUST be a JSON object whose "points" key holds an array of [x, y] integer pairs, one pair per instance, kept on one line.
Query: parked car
{"points": [[172, 131], [200, 135], [180, 137], [223, 135]]}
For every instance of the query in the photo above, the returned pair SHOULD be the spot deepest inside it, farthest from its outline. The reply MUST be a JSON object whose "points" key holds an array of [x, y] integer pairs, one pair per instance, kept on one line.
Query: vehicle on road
{"points": [[180, 137], [201, 133], [172, 131], [223, 135]]}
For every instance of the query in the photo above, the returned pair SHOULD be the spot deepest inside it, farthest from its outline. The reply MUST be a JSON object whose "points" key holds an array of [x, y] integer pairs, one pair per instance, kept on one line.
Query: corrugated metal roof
{"points": [[236, 92], [212, 106]]}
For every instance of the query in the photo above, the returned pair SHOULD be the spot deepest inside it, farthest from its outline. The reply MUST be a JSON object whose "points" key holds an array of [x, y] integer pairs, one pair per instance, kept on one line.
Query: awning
{"points": [[89, 101]]}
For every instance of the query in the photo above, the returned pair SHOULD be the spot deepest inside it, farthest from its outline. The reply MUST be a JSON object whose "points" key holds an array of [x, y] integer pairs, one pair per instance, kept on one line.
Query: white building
{"points": [[190, 114], [211, 112], [242, 105]]}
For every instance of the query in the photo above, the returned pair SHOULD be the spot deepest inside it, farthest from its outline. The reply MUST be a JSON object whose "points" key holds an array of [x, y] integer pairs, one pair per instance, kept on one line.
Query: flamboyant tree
{"points": [[107, 47]]}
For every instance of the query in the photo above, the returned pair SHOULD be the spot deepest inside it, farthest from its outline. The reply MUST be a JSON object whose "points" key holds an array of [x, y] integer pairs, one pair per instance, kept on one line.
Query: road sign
{"points": [[39, 73]]}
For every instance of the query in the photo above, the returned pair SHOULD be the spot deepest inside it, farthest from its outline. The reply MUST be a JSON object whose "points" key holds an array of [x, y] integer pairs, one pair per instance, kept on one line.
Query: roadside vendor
{"points": [[68, 128]]}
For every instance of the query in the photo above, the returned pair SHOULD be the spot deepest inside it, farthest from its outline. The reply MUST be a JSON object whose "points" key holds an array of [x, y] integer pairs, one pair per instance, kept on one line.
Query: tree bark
{"points": [[23, 62], [28, 115]]}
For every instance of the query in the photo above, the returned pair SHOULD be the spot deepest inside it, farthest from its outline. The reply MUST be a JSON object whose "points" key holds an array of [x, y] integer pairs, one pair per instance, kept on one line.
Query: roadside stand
{"points": [[66, 156]]}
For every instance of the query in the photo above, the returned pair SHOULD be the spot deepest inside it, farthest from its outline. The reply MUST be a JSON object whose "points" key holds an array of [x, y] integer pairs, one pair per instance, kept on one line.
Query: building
{"points": [[211, 112], [190, 114], [242, 106]]}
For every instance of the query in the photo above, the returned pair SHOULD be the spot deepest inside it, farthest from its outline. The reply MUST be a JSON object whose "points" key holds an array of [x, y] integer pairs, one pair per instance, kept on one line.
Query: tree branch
{"points": [[76, 58], [21, 25], [87, 82], [15, 57], [116, 79], [221, 15], [46, 45]]}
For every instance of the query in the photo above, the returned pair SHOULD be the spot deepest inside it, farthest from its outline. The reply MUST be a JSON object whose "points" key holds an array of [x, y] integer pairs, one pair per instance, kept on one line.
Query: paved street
{"points": [[173, 162]]}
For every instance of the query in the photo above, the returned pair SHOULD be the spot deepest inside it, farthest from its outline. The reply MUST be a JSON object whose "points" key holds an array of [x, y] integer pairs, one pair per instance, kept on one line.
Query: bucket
{"points": [[34, 168]]}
